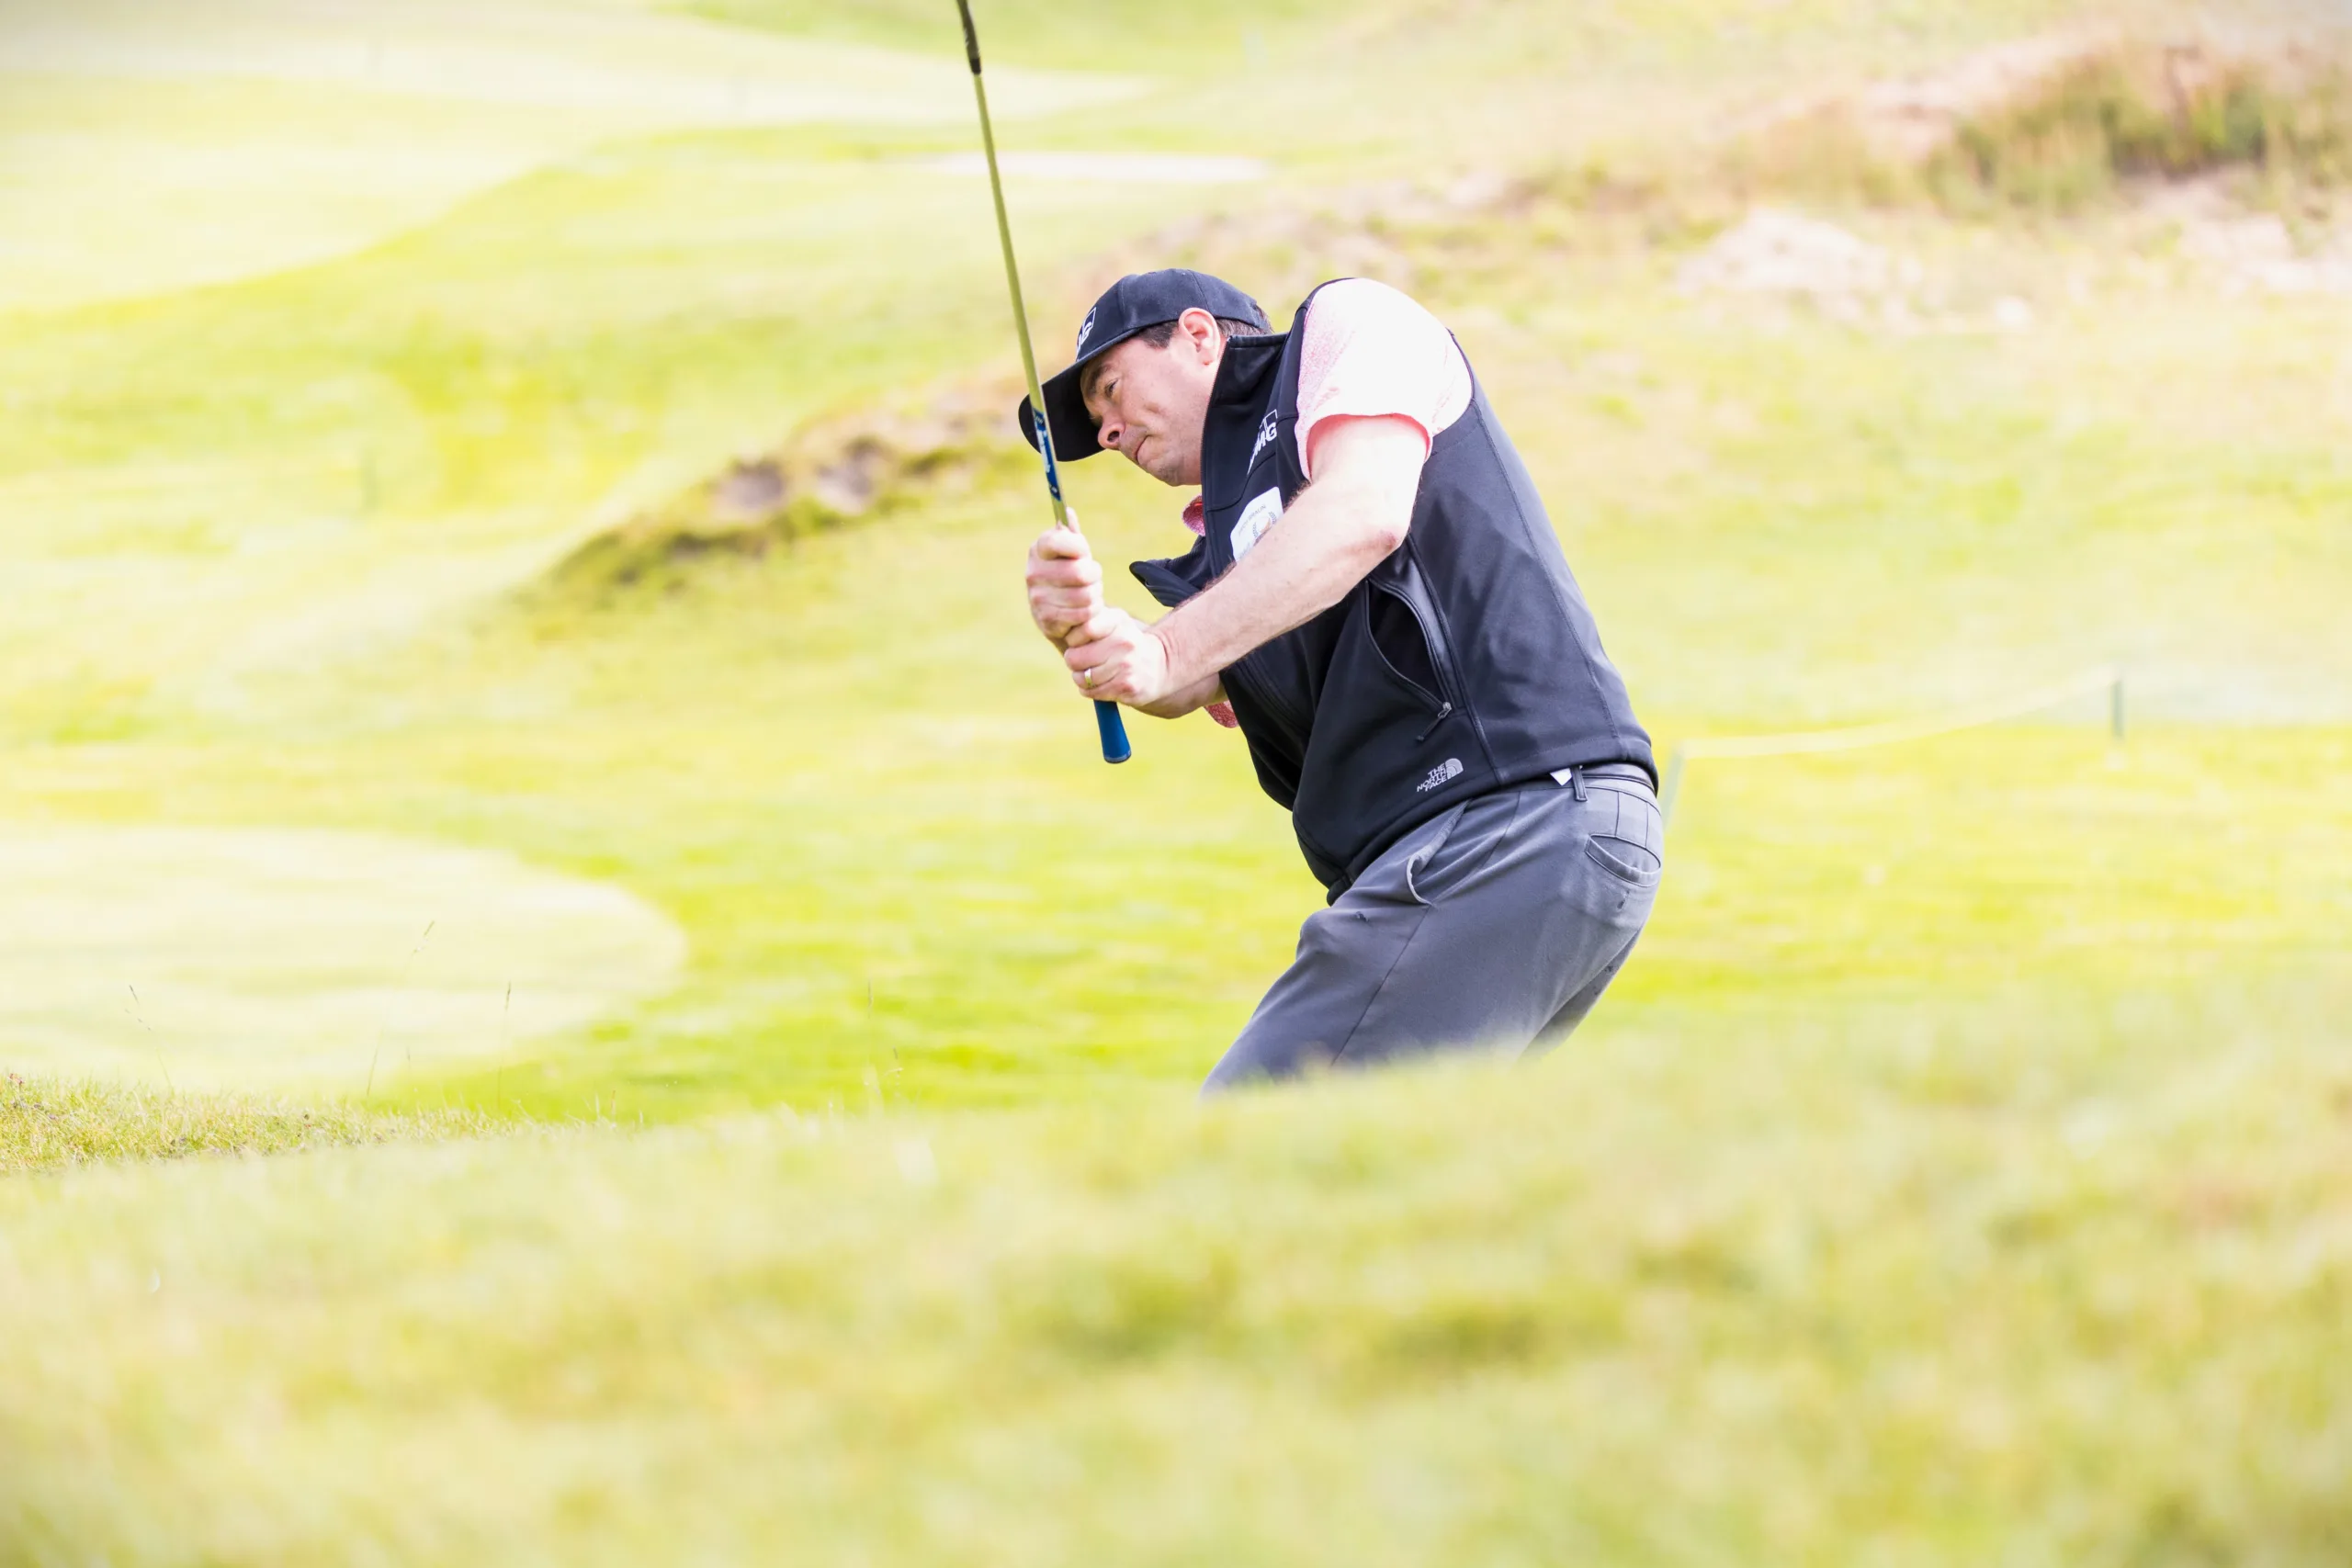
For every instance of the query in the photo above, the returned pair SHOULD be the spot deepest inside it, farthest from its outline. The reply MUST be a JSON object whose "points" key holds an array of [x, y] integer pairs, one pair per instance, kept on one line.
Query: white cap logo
{"points": [[1085, 330]]}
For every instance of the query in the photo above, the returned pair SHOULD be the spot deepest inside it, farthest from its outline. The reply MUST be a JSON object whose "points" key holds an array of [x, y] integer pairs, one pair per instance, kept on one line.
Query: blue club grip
{"points": [[1114, 733], [1106, 715]]}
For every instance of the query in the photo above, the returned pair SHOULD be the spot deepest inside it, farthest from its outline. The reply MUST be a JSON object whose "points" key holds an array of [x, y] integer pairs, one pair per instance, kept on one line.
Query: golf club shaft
{"points": [[1107, 721]]}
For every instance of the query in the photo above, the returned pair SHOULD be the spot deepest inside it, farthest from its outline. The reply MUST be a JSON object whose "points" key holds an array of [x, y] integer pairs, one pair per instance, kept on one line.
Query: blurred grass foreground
{"points": [[571, 990], [1821, 1304]]}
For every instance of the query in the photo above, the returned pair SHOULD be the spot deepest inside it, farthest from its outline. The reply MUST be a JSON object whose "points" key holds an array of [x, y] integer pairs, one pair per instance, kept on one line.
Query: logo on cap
{"points": [[1085, 330]]}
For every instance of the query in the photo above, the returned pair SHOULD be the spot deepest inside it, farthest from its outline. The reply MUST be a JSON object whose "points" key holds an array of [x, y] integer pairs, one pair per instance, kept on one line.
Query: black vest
{"points": [[1466, 663]]}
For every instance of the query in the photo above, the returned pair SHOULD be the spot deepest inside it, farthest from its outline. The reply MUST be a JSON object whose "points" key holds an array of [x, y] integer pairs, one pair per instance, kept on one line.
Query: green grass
{"points": [[892, 855], [244, 607], [1952, 1176], [1730, 1299], [262, 137], [47, 1125]]}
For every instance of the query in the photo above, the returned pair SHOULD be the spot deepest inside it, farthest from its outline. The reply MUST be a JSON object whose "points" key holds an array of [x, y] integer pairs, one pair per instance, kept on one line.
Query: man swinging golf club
{"points": [[1378, 602]]}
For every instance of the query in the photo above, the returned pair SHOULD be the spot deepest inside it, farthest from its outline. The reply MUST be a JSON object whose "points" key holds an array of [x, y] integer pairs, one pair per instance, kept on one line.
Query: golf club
{"points": [[1106, 715]]}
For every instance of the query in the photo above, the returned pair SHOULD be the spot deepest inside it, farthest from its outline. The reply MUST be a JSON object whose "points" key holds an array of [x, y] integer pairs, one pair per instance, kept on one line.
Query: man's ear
{"points": [[1201, 329]]}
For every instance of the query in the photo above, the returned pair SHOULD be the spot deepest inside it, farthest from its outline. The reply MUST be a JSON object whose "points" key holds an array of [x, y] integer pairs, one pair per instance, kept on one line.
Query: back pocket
{"points": [[1628, 863], [1628, 838]]}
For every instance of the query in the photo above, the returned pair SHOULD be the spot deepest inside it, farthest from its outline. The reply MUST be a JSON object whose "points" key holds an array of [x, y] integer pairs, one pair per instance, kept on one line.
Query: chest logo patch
{"points": [[1266, 433], [1256, 517], [1444, 774]]}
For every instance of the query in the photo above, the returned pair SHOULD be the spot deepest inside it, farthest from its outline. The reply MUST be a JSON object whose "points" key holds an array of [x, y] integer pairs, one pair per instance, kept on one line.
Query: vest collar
{"points": [[1243, 402]]}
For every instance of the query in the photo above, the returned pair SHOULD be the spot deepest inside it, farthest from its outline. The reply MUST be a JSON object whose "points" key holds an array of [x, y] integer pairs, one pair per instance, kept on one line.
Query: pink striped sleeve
{"points": [[1372, 351]]}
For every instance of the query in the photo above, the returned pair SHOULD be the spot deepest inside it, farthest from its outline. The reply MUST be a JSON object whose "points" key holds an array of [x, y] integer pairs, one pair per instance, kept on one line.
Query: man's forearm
{"points": [[1351, 519], [1326, 544]]}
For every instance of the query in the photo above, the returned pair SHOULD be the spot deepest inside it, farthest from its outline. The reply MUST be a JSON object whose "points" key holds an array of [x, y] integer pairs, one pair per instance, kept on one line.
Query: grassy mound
{"points": [[832, 473], [1823, 1296], [2052, 124], [47, 1125]]}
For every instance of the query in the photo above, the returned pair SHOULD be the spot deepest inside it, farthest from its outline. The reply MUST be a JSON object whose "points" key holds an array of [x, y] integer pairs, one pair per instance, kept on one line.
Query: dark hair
{"points": [[1164, 333]]}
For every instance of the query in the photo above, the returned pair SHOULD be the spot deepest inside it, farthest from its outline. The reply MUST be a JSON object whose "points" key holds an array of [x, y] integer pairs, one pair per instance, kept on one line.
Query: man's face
{"points": [[1152, 403]]}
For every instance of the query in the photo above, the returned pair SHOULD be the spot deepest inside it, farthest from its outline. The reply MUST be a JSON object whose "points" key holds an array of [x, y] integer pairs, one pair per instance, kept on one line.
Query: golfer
{"points": [[1377, 601]]}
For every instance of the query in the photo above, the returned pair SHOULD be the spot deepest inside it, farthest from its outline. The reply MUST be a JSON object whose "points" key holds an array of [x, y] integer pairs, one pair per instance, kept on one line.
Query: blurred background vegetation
{"points": [[507, 545]]}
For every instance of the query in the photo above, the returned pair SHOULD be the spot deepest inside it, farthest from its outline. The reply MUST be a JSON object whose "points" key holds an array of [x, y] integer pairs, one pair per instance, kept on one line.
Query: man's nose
{"points": [[1109, 432]]}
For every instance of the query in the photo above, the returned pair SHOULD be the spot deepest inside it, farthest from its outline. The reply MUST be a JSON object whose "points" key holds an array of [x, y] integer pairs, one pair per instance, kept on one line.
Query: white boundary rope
{"points": [[2106, 678]]}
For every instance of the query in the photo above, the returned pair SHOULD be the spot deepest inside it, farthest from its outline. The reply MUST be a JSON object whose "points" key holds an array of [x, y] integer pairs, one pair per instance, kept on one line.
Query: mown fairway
{"points": [[1954, 1175]]}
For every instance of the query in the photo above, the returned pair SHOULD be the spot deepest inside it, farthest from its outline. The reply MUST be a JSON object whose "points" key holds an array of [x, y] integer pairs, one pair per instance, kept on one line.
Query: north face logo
{"points": [[1085, 330], [1265, 437], [1444, 774]]}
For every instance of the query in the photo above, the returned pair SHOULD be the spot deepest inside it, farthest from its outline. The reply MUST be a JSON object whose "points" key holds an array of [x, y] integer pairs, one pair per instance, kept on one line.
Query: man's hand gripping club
{"points": [[1112, 656], [1350, 519]]}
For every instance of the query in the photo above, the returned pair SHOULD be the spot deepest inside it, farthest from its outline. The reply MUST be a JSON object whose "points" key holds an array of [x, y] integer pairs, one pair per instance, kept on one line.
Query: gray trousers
{"points": [[1492, 928]]}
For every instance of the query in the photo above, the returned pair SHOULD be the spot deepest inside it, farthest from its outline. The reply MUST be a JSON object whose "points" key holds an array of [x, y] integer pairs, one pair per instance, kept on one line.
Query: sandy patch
{"points": [[270, 957], [1772, 251], [2250, 250], [1777, 255]]}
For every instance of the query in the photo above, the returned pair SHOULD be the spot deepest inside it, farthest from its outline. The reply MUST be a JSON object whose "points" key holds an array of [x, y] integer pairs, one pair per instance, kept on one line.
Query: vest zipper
{"points": [[1428, 642], [1444, 712]]}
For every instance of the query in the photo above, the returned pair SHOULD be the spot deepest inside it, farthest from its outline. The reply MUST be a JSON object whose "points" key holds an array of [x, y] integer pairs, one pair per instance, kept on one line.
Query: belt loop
{"points": [[1575, 782]]}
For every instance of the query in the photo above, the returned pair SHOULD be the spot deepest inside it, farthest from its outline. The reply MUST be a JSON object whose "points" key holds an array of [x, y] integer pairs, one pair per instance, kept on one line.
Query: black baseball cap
{"points": [[1138, 301]]}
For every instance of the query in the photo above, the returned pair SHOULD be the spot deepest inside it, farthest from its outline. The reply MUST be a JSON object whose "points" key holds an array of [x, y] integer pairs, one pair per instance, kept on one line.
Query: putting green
{"points": [[269, 957], [266, 134]]}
